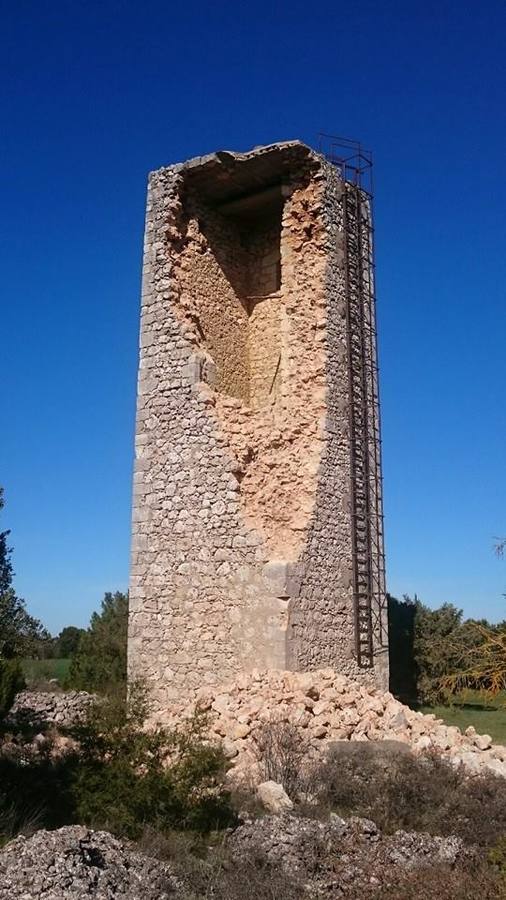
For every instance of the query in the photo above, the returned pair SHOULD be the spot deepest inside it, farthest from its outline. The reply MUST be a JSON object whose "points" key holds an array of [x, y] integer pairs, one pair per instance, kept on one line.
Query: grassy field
{"points": [[471, 708], [40, 671]]}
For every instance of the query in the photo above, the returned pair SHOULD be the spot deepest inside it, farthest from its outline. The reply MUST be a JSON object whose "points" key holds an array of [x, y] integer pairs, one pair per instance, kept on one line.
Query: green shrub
{"points": [[11, 681], [118, 776], [35, 788], [129, 776], [497, 857]]}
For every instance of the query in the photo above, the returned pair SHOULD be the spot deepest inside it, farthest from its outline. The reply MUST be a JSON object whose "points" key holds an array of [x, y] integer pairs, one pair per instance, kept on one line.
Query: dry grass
{"points": [[211, 873], [205, 869]]}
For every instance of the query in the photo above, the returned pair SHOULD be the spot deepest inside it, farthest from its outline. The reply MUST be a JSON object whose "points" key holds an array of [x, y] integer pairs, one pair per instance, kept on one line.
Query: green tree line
{"points": [[97, 653], [436, 652]]}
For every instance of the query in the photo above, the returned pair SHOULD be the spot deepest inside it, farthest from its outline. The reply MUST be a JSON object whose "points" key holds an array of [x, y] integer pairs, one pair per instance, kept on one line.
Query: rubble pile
{"points": [[74, 862], [329, 707]]}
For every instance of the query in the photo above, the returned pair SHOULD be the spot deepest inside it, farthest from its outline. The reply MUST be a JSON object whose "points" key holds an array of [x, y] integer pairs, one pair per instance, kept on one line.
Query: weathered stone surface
{"points": [[242, 546], [483, 741], [324, 856], [274, 797], [352, 851], [74, 862]]}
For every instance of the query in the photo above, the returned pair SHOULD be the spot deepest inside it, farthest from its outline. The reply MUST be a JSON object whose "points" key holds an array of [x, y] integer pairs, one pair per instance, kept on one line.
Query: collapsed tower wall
{"points": [[243, 552]]}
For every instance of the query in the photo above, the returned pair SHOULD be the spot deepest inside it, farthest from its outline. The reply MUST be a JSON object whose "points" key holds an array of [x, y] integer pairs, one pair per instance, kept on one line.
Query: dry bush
{"points": [[205, 872], [283, 753], [245, 801], [249, 880], [205, 869], [481, 666], [400, 791]]}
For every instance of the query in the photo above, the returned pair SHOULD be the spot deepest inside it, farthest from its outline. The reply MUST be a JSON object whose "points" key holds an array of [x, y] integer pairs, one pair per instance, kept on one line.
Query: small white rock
{"points": [[274, 797], [482, 741]]}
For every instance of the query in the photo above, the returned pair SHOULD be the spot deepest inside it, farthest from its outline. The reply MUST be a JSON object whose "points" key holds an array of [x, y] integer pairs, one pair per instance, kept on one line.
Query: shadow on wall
{"points": [[243, 270], [401, 628]]}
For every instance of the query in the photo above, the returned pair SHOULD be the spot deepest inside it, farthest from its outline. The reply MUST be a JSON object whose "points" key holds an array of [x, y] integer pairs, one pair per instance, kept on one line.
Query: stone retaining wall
{"points": [[39, 708]]}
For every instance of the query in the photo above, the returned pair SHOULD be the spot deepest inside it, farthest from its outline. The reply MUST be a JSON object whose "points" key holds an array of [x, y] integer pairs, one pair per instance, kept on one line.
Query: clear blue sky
{"points": [[96, 94]]}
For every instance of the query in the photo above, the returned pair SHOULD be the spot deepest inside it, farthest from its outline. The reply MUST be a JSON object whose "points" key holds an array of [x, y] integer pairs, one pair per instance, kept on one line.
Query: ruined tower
{"points": [[257, 510]]}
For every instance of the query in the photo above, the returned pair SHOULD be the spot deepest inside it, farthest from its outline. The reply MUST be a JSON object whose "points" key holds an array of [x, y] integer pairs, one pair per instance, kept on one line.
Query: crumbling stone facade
{"points": [[243, 551]]}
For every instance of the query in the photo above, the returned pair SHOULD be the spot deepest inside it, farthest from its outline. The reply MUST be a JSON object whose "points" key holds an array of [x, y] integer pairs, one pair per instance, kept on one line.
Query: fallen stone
{"points": [[353, 851], [325, 706], [482, 741], [42, 708], [273, 797]]}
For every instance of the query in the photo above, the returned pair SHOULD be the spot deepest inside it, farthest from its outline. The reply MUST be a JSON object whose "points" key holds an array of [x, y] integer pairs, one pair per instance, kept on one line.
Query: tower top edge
{"points": [[291, 149]]}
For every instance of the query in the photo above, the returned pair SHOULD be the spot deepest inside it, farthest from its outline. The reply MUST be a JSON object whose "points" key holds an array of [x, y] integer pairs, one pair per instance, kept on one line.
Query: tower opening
{"points": [[238, 293]]}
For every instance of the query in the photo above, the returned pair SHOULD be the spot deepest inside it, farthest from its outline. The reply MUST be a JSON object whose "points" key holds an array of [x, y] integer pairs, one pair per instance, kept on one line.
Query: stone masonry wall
{"points": [[189, 612], [241, 534], [322, 616]]}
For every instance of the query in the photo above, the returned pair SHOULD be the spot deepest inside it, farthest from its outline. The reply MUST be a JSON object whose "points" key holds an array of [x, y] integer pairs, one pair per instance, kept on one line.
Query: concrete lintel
{"points": [[283, 578], [193, 369]]}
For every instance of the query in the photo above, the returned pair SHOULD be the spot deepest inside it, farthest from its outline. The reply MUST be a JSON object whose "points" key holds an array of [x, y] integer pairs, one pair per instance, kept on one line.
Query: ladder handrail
{"points": [[365, 444]]}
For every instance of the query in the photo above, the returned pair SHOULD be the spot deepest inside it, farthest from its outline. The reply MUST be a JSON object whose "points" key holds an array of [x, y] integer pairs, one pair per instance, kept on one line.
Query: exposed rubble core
{"points": [[242, 550]]}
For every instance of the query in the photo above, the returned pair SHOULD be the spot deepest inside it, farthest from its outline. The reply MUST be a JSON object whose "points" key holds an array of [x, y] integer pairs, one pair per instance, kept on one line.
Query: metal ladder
{"points": [[369, 594]]}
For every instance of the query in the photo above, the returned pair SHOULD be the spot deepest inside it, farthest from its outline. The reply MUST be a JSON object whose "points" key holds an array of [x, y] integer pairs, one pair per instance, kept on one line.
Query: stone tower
{"points": [[257, 520]]}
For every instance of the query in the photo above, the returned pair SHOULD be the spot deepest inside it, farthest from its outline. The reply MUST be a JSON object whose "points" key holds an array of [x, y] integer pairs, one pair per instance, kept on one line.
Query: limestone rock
{"points": [[347, 851], [482, 741], [241, 730], [323, 707], [274, 797], [39, 708], [496, 766]]}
